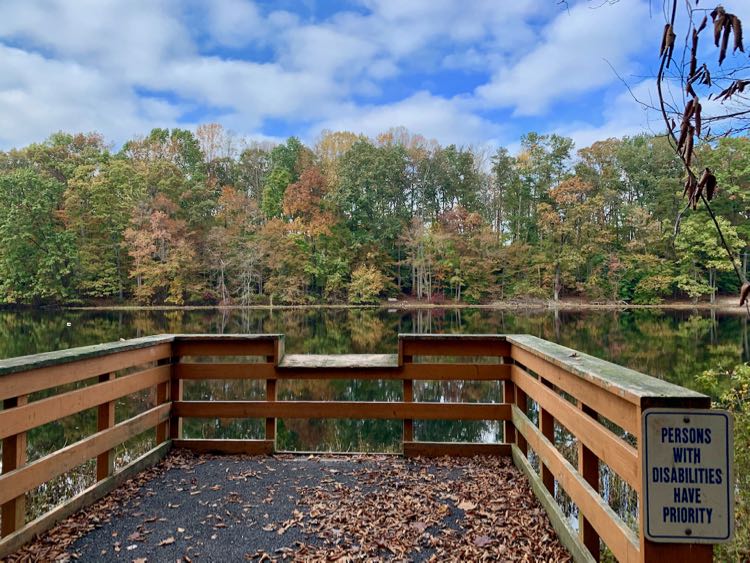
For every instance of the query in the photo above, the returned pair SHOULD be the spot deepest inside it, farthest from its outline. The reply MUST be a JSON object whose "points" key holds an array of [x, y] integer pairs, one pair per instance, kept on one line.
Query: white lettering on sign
{"points": [[687, 475]]}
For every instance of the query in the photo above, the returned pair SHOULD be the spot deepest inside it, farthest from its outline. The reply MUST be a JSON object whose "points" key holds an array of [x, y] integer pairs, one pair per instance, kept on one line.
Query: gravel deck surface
{"points": [[316, 508]]}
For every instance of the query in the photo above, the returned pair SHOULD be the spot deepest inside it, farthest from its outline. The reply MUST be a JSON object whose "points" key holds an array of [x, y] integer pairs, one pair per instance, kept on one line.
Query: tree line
{"points": [[181, 217]]}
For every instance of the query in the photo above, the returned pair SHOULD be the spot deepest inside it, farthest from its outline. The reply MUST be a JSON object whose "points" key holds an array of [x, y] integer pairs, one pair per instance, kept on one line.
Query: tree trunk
{"points": [[557, 282]]}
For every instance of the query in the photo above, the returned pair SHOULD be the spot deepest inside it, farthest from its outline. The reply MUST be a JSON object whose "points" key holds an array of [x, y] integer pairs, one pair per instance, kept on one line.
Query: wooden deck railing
{"points": [[597, 402]]}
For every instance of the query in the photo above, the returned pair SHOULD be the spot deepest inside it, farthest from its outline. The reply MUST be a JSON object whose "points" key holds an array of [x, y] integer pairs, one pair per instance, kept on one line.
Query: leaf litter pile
{"points": [[315, 508]]}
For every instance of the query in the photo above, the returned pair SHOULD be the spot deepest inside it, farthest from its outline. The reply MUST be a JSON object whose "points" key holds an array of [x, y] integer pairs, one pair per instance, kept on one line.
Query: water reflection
{"points": [[675, 346]]}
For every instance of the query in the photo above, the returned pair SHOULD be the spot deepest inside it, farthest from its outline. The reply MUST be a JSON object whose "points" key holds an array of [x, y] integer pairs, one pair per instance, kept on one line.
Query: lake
{"points": [[671, 345]]}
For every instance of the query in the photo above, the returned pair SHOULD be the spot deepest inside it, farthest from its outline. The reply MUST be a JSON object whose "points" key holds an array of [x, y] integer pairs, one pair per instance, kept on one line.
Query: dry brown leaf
{"points": [[744, 293], [169, 541]]}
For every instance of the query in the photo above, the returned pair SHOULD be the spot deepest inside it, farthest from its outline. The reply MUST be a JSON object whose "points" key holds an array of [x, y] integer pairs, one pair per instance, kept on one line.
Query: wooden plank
{"points": [[50, 466], [271, 396], [547, 428], [13, 508], [509, 396], [610, 405], [339, 361], [453, 449], [54, 375], [457, 372], [408, 390], [17, 539], [53, 408], [76, 355], [342, 409], [619, 455], [426, 372], [559, 521], [620, 381], [225, 347], [620, 539], [522, 402], [225, 371], [453, 345], [588, 467], [176, 388], [105, 418], [246, 447], [279, 350], [162, 396]]}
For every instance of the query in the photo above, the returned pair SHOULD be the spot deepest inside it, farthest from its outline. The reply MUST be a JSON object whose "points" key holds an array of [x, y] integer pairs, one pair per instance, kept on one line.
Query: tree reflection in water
{"points": [[675, 346]]}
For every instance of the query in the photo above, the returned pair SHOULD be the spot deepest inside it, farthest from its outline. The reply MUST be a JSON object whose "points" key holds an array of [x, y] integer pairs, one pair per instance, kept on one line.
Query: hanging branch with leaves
{"points": [[683, 112]]}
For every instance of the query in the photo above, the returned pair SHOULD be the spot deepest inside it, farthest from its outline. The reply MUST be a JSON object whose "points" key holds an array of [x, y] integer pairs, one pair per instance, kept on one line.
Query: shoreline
{"points": [[724, 306]]}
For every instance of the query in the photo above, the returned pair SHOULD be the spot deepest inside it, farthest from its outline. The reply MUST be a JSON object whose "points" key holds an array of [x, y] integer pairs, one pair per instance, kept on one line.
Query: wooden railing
{"points": [[598, 403]]}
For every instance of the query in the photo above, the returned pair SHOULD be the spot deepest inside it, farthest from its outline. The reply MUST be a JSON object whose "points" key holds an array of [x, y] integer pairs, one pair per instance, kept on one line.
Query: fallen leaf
{"points": [[168, 541], [466, 505]]}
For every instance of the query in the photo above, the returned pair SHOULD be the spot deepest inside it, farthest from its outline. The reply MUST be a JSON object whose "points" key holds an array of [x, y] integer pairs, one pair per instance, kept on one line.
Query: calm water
{"points": [[670, 345]]}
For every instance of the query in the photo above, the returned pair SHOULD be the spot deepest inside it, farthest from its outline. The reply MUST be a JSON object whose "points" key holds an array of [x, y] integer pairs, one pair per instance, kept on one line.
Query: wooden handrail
{"points": [[597, 402]]}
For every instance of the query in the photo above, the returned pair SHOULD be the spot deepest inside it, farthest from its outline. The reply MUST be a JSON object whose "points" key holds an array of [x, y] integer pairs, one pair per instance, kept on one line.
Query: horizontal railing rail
{"points": [[546, 389]]}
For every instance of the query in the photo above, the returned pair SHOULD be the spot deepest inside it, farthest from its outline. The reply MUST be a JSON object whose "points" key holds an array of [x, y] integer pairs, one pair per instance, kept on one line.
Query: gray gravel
{"points": [[215, 511]]}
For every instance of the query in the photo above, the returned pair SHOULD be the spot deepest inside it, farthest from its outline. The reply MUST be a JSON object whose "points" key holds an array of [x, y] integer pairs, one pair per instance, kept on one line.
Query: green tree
{"points": [[701, 255], [37, 254]]}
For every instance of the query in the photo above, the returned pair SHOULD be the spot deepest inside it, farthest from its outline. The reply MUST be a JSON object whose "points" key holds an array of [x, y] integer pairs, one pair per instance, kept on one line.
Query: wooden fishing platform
{"points": [[545, 387]]}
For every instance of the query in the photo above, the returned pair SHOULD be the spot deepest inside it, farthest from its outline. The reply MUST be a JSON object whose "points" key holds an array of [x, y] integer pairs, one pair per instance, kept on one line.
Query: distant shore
{"points": [[724, 305]]}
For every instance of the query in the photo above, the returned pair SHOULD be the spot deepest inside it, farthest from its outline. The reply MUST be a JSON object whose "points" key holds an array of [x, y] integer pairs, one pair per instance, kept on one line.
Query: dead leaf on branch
{"points": [[744, 293]]}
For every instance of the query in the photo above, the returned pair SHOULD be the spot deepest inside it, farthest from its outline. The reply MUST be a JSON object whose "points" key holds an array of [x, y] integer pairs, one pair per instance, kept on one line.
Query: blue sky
{"points": [[470, 72]]}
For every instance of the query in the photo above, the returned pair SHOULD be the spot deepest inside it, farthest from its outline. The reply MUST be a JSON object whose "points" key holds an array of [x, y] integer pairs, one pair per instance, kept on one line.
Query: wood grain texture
{"points": [[620, 456], [66, 372], [79, 354], [617, 380], [53, 408], [559, 521], [13, 509], [342, 409], [246, 447], [613, 407], [620, 539], [202, 346], [454, 345], [50, 466], [105, 418]]}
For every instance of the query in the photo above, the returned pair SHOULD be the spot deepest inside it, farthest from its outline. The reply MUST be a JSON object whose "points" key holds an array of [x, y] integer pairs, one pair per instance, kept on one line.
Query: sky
{"points": [[469, 72]]}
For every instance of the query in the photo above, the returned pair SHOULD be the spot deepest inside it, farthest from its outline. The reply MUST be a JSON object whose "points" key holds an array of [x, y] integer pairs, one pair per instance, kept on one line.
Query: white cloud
{"points": [[623, 116], [124, 66], [234, 22], [128, 40], [448, 121], [570, 57], [39, 96]]}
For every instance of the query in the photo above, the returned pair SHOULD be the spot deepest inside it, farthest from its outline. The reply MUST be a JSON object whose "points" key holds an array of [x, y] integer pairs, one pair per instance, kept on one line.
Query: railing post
{"points": [[271, 390], [653, 552], [14, 456], [271, 396], [408, 398], [547, 427], [523, 405], [105, 461], [408, 392], [509, 397], [163, 396], [175, 394], [588, 467]]}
